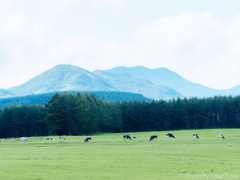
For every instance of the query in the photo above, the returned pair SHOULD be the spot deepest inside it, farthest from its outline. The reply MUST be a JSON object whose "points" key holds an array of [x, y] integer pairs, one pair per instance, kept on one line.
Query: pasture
{"points": [[108, 156]]}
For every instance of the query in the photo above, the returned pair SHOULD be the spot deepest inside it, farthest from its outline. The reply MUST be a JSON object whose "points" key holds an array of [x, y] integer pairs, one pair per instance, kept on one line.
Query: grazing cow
{"points": [[170, 135], [195, 136], [50, 139], [88, 139], [221, 136], [127, 137], [153, 137], [23, 139], [62, 137]]}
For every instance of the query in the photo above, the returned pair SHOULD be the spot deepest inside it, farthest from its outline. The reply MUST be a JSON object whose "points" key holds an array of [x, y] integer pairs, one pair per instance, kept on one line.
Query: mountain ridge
{"points": [[159, 83]]}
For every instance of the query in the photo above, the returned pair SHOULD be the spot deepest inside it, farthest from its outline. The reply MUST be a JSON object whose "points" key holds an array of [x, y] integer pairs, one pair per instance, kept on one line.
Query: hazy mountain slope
{"points": [[42, 99], [5, 93], [163, 76], [63, 78], [233, 91], [73, 78], [159, 83], [128, 83]]}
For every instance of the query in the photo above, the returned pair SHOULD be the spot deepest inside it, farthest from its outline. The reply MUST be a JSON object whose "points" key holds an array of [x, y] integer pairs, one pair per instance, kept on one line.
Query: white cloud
{"points": [[13, 26], [22, 45], [195, 45], [88, 53], [116, 4], [198, 46], [57, 5], [170, 35], [5, 5], [60, 5]]}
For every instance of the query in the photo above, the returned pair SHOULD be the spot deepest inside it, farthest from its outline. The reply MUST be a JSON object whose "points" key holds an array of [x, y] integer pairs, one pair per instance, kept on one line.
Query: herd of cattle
{"points": [[170, 135], [125, 137]]}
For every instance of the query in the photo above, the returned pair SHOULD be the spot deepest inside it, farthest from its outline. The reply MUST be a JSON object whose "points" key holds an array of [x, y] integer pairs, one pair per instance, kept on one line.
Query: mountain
{"points": [[159, 83], [41, 99], [165, 77], [124, 81], [233, 91], [66, 77], [4, 92], [63, 78]]}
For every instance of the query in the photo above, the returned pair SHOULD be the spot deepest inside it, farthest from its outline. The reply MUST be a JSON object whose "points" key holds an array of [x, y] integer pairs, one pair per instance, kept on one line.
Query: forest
{"points": [[84, 114], [42, 99]]}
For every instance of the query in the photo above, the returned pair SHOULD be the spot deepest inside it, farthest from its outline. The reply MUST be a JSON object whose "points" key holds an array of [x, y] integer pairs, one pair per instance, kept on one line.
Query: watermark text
{"points": [[212, 176]]}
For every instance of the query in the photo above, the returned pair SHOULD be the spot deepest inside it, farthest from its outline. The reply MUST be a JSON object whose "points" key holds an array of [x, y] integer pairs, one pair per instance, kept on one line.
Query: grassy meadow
{"points": [[108, 156]]}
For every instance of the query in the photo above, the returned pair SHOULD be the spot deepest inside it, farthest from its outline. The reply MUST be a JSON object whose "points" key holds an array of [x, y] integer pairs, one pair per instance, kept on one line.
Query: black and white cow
{"points": [[170, 135], [221, 136], [50, 139], [153, 137], [127, 137], [88, 139], [62, 137], [195, 136]]}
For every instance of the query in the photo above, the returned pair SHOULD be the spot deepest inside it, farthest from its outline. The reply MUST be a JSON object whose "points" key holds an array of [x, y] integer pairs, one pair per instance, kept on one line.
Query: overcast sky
{"points": [[198, 39]]}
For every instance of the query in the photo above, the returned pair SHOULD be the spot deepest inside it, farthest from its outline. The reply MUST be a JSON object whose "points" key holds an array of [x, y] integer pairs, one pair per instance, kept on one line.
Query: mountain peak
{"points": [[159, 83], [68, 67], [63, 77]]}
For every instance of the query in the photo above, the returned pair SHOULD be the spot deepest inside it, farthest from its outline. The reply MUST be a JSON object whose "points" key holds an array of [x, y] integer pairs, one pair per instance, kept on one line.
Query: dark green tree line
{"points": [[83, 114], [192, 113], [23, 121]]}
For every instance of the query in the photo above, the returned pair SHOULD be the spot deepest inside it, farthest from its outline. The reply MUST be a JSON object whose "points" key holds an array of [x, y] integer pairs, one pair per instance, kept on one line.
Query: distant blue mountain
{"points": [[159, 83], [4, 92], [165, 77], [127, 82], [63, 78], [42, 99]]}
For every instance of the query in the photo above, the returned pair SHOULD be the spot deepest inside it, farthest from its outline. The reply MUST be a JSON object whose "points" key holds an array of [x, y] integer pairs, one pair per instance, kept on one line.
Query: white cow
{"points": [[23, 139], [221, 136]]}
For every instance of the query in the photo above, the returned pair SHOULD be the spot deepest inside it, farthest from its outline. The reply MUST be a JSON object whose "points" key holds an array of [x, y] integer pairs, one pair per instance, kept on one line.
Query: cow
{"points": [[62, 137], [195, 136], [153, 137], [88, 139], [170, 135], [221, 136], [127, 137], [50, 139], [23, 139]]}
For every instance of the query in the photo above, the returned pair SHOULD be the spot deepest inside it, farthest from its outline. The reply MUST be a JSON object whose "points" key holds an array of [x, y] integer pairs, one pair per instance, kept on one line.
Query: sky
{"points": [[197, 39]]}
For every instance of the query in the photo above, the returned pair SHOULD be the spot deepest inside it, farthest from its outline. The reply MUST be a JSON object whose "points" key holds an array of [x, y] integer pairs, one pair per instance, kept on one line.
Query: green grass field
{"points": [[108, 156]]}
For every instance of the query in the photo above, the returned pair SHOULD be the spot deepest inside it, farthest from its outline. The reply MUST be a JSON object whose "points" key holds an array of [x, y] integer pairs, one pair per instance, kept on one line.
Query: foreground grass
{"points": [[108, 156]]}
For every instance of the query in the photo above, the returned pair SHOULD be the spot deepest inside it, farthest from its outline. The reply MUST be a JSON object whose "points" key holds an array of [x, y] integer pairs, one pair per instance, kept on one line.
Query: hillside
{"points": [[63, 78], [41, 99], [167, 78], [159, 83]]}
